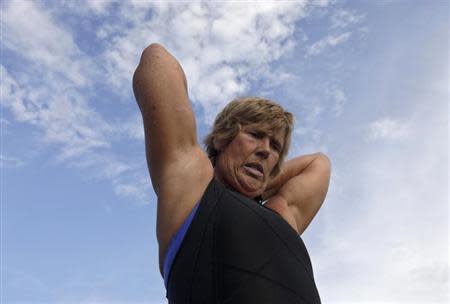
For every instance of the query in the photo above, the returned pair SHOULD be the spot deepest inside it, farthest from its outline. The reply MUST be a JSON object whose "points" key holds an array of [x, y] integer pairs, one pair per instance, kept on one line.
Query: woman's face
{"points": [[246, 162]]}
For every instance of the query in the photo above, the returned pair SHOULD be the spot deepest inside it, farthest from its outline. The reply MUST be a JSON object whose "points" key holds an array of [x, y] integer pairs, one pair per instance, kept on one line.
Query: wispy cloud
{"points": [[61, 114], [388, 129], [53, 94], [226, 48], [76, 93], [56, 51], [390, 206], [342, 18], [338, 99], [331, 40]]}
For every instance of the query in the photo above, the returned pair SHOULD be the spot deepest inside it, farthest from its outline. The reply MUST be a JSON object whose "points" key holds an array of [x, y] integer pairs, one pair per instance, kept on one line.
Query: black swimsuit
{"points": [[238, 251]]}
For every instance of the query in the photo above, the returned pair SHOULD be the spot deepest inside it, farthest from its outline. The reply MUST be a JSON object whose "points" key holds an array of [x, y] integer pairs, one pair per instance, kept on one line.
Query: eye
{"points": [[256, 134], [276, 146]]}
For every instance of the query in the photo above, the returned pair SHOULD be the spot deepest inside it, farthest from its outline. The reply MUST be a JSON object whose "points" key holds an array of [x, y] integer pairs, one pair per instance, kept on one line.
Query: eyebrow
{"points": [[272, 137]]}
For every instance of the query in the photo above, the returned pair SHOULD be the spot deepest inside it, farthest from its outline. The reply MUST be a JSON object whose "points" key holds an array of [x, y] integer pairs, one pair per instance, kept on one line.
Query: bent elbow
{"points": [[152, 51], [157, 59], [324, 163], [324, 159], [149, 60]]}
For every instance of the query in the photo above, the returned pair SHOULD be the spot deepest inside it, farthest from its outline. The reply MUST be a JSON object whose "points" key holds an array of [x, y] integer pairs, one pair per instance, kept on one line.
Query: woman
{"points": [[217, 241]]}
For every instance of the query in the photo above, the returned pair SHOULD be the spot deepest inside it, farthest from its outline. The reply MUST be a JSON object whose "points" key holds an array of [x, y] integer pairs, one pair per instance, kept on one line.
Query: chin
{"points": [[243, 184], [251, 192]]}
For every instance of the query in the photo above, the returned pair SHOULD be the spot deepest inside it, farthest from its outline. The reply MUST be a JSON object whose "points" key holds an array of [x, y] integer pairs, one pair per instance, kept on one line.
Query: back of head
{"points": [[264, 114]]}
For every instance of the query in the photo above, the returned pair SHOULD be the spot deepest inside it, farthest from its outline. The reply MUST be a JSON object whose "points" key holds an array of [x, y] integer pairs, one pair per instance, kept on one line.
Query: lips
{"points": [[254, 169]]}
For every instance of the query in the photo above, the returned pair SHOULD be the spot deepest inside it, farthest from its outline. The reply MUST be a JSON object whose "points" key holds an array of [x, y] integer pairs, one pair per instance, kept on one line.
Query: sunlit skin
{"points": [[250, 146], [181, 171]]}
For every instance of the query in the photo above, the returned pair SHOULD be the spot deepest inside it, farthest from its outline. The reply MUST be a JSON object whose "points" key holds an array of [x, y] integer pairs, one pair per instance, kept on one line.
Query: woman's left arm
{"points": [[300, 188]]}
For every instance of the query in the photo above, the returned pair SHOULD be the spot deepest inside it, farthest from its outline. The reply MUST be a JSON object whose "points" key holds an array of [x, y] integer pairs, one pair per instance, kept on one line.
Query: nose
{"points": [[263, 148]]}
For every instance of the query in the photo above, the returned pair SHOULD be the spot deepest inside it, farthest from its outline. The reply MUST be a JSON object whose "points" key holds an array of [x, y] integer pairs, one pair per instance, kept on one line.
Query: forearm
{"points": [[289, 170]]}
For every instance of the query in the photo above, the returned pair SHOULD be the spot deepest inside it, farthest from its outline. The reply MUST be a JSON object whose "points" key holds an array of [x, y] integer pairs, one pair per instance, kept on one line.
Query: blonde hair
{"points": [[266, 115]]}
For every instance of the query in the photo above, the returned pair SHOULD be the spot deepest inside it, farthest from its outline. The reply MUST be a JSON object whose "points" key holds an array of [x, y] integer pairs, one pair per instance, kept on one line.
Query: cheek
{"points": [[233, 158], [274, 160], [240, 149]]}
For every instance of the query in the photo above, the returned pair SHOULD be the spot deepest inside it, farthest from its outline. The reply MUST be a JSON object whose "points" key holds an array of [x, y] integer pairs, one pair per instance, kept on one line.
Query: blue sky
{"points": [[367, 81]]}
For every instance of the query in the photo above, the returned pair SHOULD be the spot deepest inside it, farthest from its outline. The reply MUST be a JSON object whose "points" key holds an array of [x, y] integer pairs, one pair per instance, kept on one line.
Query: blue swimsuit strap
{"points": [[175, 243]]}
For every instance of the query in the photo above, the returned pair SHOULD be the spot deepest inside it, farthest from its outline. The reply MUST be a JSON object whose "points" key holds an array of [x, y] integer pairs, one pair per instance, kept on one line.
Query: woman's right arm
{"points": [[160, 88], [180, 170]]}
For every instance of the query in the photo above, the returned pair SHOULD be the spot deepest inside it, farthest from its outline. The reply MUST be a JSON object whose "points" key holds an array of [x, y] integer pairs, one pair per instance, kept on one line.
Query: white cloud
{"points": [[385, 221], [63, 115], [134, 190], [225, 47], [132, 127], [340, 100], [48, 94], [51, 95], [343, 18], [99, 6], [50, 46], [12, 97], [129, 179], [408, 247], [331, 40], [306, 140], [335, 98], [388, 129]]}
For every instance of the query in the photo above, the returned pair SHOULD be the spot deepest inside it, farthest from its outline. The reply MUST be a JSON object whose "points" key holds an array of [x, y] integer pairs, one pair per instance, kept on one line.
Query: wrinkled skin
{"points": [[236, 163]]}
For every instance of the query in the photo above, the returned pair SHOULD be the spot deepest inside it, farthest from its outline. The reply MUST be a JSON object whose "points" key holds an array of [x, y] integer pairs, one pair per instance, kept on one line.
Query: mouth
{"points": [[254, 169]]}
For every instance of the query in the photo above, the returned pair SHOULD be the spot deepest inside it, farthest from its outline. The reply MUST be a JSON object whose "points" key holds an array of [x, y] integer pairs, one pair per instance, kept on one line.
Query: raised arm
{"points": [[180, 170], [160, 88], [299, 191]]}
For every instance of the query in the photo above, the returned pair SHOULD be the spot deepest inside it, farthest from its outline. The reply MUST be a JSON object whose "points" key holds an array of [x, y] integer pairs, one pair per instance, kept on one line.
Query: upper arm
{"points": [[306, 192], [160, 88]]}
